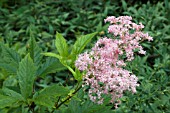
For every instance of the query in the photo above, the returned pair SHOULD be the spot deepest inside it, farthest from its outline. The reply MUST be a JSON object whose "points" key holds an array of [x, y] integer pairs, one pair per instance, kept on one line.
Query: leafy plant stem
{"points": [[68, 97]]}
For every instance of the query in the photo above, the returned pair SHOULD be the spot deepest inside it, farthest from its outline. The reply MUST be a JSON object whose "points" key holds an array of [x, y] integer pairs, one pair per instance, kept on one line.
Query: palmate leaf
{"points": [[81, 43], [35, 51], [9, 59], [26, 76], [61, 45], [51, 65], [47, 96]]}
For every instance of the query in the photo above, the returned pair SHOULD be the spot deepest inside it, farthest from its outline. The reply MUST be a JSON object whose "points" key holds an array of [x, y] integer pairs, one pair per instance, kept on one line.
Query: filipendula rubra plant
{"points": [[104, 66]]}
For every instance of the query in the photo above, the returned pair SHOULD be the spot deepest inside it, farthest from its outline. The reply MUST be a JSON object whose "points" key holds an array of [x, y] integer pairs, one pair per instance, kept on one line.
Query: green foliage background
{"points": [[28, 28]]}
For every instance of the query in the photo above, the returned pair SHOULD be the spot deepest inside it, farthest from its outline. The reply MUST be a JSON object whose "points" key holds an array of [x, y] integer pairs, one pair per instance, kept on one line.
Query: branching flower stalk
{"points": [[104, 65]]}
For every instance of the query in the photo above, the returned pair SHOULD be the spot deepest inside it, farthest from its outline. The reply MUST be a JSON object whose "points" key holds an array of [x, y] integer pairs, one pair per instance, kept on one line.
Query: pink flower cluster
{"points": [[103, 66], [129, 34]]}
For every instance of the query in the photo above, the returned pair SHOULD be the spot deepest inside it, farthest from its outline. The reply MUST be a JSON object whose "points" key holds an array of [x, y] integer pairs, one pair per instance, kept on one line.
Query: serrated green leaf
{"points": [[12, 93], [81, 43], [10, 54], [53, 90], [10, 81], [9, 59], [12, 96], [47, 96], [26, 76], [51, 65], [6, 101], [61, 45], [10, 67], [47, 101], [35, 51]]}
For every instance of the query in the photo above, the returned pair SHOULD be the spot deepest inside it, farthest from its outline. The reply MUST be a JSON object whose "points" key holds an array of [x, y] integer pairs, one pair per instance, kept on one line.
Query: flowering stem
{"points": [[104, 65]]}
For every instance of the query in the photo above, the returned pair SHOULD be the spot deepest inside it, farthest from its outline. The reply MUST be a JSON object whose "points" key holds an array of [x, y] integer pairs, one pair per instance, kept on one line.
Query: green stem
{"points": [[57, 102], [68, 97]]}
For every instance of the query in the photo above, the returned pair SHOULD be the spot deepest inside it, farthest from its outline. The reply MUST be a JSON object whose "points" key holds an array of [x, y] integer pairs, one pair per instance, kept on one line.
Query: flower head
{"points": [[104, 64]]}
